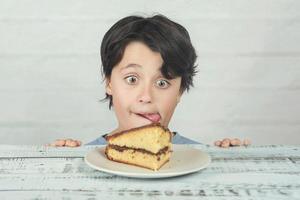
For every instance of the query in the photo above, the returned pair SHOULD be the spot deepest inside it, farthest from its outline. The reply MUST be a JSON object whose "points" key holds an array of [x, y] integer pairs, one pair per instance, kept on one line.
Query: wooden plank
{"points": [[268, 172]]}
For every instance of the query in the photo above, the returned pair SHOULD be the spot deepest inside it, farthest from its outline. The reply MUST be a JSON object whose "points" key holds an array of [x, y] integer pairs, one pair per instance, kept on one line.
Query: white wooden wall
{"points": [[248, 83]]}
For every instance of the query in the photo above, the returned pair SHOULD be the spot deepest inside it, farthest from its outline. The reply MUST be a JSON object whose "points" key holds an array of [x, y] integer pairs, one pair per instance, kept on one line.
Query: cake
{"points": [[147, 146]]}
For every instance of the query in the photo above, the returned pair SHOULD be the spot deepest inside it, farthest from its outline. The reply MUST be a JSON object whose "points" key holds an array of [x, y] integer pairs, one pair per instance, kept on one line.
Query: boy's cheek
{"points": [[167, 110]]}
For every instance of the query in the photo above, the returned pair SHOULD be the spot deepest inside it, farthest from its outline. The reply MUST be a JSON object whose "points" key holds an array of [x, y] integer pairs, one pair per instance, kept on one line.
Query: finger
{"points": [[235, 142], [69, 142], [60, 143], [238, 142], [78, 142], [226, 140], [217, 143], [225, 144], [73, 144]]}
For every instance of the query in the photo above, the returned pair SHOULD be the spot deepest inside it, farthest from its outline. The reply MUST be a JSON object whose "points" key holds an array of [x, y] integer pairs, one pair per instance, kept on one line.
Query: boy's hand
{"points": [[65, 143], [227, 142]]}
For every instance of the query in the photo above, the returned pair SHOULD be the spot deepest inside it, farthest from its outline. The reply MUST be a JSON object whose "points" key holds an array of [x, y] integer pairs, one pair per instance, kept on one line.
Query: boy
{"points": [[148, 64]]}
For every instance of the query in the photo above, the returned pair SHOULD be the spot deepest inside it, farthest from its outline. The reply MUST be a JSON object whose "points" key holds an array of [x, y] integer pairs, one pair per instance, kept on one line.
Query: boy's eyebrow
{"points": [[134, 65], [131, 65]]}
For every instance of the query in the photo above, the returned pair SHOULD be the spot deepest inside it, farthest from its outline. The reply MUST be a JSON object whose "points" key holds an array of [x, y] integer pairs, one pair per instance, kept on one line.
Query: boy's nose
{"points": [[145, 95]]}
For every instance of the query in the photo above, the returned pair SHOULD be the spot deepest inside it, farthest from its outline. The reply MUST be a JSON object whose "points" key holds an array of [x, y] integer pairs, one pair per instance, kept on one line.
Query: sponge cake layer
{"points": [[152, 138]]}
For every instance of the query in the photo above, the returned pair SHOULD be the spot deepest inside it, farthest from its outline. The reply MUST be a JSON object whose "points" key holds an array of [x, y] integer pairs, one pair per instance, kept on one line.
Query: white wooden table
{"points": [[255, 172]]}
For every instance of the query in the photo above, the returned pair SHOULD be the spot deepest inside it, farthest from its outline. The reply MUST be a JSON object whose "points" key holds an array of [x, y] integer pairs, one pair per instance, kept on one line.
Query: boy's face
{"points": [[141, 95]]}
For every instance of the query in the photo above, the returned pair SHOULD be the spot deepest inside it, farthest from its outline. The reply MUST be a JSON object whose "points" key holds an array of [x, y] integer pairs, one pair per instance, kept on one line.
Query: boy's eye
{"points": [[131, 80], [162, 83]]}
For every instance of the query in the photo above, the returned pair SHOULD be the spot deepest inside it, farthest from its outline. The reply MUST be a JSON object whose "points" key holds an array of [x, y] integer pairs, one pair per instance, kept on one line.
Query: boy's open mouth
{"points": [[153, 117]]}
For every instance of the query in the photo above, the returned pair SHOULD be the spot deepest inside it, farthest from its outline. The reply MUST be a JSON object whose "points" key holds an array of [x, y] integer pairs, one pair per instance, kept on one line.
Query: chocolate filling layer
{"points": [[121, 149]]}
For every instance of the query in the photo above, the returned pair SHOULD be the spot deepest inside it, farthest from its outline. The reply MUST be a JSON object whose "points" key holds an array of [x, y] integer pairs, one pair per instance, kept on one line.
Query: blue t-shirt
{"points": [[177, 139]]}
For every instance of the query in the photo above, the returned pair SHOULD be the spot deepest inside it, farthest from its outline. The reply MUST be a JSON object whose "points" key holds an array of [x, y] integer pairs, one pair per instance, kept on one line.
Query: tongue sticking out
{"points": [[152, 117]]}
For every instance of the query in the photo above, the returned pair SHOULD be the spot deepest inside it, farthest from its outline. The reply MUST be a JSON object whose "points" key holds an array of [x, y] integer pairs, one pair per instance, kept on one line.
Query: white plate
{"points": [[184, 160]]}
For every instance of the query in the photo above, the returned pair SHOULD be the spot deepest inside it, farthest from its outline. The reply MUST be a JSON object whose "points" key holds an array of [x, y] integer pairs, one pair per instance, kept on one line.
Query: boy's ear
{"points": [[108, 86]]}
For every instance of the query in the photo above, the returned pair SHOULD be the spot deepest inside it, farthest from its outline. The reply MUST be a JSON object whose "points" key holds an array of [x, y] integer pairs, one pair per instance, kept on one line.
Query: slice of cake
{"points": [[147, 146]]}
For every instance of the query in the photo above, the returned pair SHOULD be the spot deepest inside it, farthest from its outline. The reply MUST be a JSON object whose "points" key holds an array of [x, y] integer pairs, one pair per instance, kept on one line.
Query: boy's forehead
{"points": [[139, 52], [138, 56]]}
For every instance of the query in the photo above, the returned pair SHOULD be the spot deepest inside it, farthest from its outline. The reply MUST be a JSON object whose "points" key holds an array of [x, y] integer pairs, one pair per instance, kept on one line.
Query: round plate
{"points": [[184, 160]]}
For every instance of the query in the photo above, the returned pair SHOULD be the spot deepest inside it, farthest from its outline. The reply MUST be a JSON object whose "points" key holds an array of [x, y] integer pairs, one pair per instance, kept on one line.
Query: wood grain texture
{"points": [[256, 172]]}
